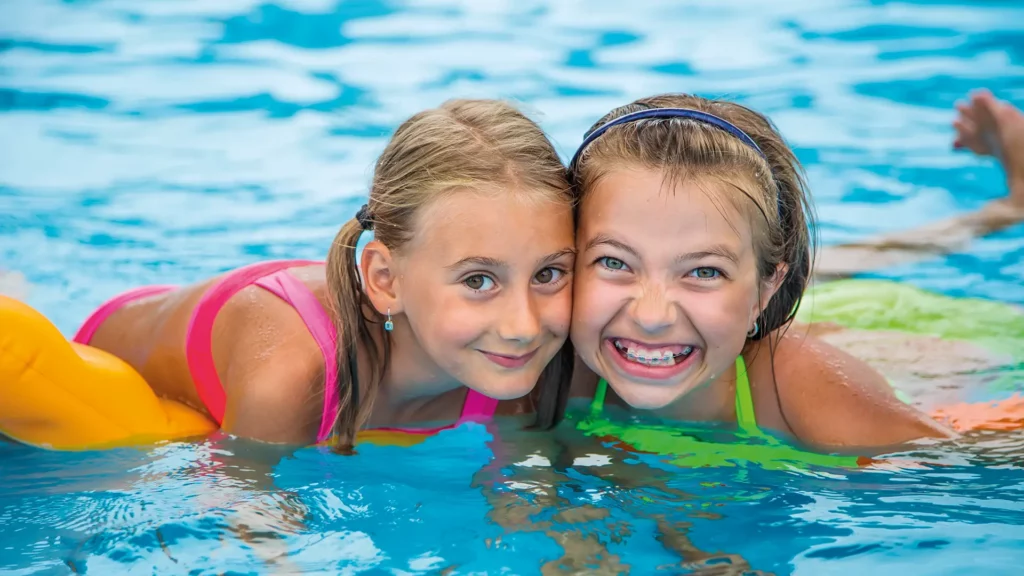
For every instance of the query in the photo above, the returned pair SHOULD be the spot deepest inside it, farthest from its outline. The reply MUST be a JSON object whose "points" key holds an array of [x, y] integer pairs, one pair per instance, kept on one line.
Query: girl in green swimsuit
{"points": [[694, 232], [694, 254]]}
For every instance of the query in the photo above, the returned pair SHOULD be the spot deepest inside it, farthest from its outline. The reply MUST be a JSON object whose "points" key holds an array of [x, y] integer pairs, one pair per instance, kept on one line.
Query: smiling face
{"points": [[486, 287], [666, 284]]}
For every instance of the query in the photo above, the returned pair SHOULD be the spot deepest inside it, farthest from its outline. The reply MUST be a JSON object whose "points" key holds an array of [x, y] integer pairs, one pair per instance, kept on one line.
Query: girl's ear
{"points": [[380, 281], [769, 286]]}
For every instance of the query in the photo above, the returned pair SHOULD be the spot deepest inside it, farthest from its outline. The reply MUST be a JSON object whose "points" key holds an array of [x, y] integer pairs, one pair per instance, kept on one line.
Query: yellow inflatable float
{"points": [[62, 395]]}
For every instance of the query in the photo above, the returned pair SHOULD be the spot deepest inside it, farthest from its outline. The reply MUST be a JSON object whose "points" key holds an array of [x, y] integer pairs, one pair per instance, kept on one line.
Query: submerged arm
{"points": [[538, 459], [237, 477], [943, 237], [544, 458], [272, 398]]}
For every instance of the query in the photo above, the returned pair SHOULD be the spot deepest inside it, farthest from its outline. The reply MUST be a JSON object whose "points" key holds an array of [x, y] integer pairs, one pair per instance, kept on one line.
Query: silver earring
{"points": [[389, 325], [753, 331]]}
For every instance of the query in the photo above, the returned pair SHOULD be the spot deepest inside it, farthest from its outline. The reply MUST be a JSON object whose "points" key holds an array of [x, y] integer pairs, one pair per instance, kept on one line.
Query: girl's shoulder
{"points": [[830, 399], [272, 366]]}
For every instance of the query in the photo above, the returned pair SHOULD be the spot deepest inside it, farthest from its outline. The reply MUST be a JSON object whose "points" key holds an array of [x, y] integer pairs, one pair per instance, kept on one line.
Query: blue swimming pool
{"points": [[163, 141]]}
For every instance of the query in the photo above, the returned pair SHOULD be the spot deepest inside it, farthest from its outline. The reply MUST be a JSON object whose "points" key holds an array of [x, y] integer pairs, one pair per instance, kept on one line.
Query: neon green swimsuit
{"points": [[690, 450]]}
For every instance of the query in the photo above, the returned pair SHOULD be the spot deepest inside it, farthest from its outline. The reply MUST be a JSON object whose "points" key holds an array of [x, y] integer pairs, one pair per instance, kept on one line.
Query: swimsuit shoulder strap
{"points": [[745, 417], [294, 292], [478, 407], [597, 404]]}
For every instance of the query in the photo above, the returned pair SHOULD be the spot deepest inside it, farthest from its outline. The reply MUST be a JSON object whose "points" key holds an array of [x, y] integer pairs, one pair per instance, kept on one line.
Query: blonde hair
{"points": [[461, 144], [690, 150]]}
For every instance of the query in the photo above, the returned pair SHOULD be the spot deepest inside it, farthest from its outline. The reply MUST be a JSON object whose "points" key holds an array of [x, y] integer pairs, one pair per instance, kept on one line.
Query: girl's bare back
{"points": [[269, 364]]}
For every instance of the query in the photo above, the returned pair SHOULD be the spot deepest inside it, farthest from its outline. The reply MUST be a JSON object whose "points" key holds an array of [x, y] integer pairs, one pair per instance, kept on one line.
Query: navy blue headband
{"points": [[697, 115], [686, 113]]}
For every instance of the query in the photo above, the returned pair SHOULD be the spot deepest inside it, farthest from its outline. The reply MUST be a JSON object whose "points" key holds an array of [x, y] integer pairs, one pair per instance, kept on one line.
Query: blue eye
{"points": [[612, 263], [706, 273], [479, 283]]}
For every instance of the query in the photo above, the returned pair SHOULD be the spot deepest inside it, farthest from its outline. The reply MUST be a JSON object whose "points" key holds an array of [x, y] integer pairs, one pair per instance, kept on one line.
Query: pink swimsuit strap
{"points": [[97, 318], [318, 322]]}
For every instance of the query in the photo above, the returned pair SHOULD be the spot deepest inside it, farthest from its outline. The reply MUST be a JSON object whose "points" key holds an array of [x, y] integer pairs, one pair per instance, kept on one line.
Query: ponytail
{"points": [[355, 332]]}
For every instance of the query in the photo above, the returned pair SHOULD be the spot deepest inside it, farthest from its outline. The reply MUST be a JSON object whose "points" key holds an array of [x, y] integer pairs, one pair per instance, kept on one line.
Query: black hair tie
{"points": [[364, 218]]}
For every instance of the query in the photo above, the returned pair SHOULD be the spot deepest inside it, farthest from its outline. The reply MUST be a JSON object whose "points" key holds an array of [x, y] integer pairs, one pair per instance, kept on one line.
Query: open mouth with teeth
{"points": [[647, 355]]}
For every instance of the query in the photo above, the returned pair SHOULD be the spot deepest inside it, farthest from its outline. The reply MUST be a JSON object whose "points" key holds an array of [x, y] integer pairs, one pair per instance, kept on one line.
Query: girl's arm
{"points": [[834, 401], [943, 237], [272, 373], [271, 368]]}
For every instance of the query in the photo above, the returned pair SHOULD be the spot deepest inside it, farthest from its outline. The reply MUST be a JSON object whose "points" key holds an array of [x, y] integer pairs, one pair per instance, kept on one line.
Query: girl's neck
{"points": [[414, 388], [714, 400]]}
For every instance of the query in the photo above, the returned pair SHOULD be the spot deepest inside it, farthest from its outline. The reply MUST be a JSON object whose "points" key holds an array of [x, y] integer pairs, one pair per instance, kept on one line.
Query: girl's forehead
{"points": [[470, 201], [468, 220], [643, 201]]}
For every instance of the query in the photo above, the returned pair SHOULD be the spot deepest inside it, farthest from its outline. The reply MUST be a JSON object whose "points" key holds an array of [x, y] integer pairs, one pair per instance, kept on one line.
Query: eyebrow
{"points": [[487, 262], [556, 255], [484, 261], [719, 250], [609, 241]]}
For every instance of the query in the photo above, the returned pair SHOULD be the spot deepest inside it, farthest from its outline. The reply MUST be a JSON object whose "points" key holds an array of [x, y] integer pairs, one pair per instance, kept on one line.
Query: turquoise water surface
{"points": [[151, 142]]}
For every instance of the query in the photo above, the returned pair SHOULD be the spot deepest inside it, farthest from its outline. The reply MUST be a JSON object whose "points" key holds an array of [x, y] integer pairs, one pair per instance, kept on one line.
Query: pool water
{"points": [[166, 141]]}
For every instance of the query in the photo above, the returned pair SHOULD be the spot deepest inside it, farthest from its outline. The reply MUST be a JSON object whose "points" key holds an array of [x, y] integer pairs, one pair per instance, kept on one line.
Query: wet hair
{"points": [[766, 175], [475, 144]]}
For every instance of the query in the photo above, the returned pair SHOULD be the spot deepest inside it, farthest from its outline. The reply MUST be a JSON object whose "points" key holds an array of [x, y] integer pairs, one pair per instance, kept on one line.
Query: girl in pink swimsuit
{"points": [[462, 299]]}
